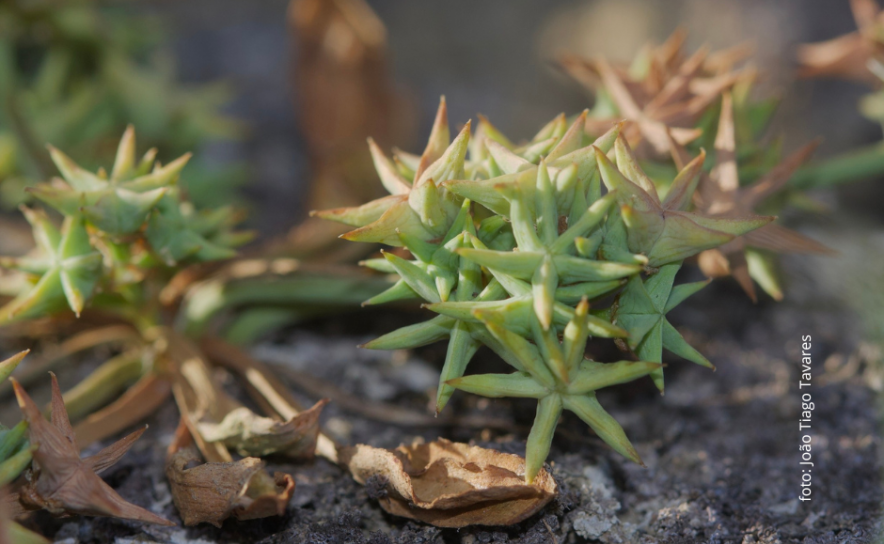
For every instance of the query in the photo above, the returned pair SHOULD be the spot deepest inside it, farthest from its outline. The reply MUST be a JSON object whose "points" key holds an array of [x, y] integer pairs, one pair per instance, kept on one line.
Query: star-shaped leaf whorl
{"points": [[67, 267]]}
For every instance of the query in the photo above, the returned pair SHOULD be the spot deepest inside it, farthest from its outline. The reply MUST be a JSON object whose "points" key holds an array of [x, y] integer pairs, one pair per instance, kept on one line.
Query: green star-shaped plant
{"points": [[435, 269], [556, 374], [419, 208], [176, 231], [533, 243], [64, 264], [118, 204], [662, 230], [641, 309], [116, 229]]}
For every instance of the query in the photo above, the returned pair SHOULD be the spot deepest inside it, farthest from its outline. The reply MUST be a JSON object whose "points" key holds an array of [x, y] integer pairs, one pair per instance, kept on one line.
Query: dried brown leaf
{"points": [[218, 421], [719, 194], [344, 95], [61, 482], [250, 434], [450, 484], [213, 492], [264, 387], [670, 96]]}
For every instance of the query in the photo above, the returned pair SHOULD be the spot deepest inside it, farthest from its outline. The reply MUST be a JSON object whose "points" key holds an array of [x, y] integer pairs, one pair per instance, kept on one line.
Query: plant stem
{"points": [[136, 404], [104, 383], [53, 356], [864, 163]]}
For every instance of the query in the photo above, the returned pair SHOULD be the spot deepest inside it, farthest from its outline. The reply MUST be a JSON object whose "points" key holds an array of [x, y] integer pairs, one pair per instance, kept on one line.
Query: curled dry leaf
{"points": [[450, 484], [221, 488], [250, 434], [220, 421], [213, 492], [264, 387], [61, 482]]}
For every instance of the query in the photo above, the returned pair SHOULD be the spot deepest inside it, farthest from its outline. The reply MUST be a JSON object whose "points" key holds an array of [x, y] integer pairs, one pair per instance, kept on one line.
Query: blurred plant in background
{"points": [[344, 93], [74, 73]]}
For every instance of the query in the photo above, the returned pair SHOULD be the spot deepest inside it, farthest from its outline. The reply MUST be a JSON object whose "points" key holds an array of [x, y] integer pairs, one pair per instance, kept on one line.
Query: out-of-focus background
{"points": [[496, 57]]}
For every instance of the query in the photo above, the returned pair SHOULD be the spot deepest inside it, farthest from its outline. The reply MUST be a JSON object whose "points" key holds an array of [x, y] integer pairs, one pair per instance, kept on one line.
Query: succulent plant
{"points": [[118, 229], [125, 247], [673, 100], [513, 245]]}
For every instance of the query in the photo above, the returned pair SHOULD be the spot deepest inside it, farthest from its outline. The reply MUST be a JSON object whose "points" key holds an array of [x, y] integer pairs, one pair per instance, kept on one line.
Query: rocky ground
{"points": [[721, 448]]}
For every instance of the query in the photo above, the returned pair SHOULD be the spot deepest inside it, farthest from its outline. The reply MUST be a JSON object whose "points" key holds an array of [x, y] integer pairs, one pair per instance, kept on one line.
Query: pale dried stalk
{"points": [[264, 388], [54, 355]]}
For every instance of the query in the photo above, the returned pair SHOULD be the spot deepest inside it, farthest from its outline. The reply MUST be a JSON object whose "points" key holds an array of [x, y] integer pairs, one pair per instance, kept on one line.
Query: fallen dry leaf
{"points": [[221, 488], [450, 484], [264, 387], [213, 492], [63, 483], [250, 434], [218, 421]]}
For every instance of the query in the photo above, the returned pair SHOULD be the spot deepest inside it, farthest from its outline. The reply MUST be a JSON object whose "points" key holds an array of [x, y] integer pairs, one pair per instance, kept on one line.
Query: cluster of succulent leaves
{"points": [[123, 235], [518, 248], [76, 72], [680, 105]]}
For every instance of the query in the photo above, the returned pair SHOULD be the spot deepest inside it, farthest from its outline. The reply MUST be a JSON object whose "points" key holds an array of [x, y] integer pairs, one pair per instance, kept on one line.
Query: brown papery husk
{"points": [[213, 492], [450, 484]]}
